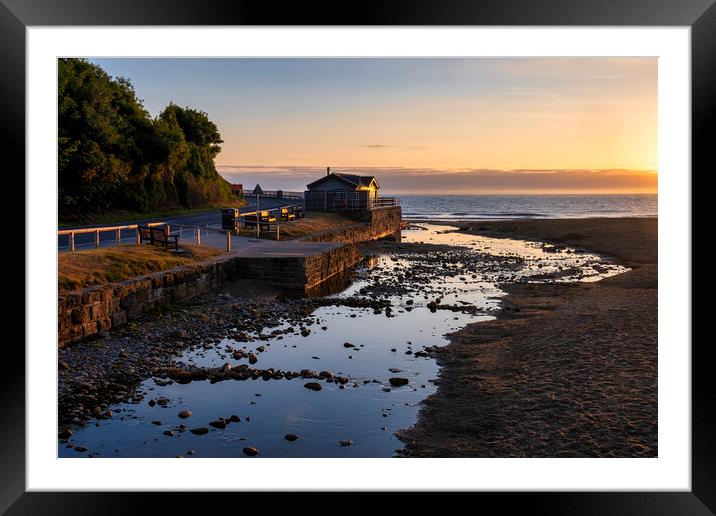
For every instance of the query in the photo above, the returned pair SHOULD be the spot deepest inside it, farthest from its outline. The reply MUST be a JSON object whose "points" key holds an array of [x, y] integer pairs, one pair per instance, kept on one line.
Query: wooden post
{"points": [[72, 242], [96, 238], [198, 235], [138, 238], [258, 218], [228, 240], [278, 232], [119, 236]]}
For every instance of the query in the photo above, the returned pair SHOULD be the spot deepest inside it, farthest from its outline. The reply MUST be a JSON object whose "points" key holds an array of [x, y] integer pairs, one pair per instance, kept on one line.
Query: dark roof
{"points": [[353, 180]]}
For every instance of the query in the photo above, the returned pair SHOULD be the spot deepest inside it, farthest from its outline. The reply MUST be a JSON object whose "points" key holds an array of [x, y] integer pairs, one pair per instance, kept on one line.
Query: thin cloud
{"points": [[428, 180]]}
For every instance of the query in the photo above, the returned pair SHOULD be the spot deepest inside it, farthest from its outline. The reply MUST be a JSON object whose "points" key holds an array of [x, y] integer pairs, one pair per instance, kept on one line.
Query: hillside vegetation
{"points": [[114, 157]]}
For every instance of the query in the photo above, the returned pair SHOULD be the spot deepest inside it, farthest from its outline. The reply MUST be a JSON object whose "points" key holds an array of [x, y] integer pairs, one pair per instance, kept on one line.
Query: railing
{"points": [[117, 230], [383, 202], [346, 201], [277, 194]]}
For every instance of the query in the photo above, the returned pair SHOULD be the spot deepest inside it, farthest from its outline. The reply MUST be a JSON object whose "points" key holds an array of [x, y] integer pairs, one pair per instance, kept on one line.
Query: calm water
{"points": [[367, 411], [485, 207]]}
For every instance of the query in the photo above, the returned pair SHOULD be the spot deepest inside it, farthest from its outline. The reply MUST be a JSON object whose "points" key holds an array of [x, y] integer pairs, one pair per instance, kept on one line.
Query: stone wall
{"points": [[87, 312], [370, 225]]}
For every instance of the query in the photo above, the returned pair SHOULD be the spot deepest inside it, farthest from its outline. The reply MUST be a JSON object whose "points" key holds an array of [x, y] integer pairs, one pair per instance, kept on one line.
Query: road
{"points": [[183, 225]]}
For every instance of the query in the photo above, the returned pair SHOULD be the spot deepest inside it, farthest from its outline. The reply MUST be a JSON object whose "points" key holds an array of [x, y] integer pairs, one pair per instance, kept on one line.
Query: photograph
{"points": [[417, 247], [357, 257]]}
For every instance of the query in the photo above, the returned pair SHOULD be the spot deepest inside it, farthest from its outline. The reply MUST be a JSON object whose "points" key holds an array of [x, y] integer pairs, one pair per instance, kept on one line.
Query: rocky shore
{"points": [[238, 324], [567, 370]]}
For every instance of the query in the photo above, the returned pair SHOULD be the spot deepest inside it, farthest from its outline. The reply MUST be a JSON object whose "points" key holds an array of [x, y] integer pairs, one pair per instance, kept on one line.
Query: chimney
{"points": [[328, 171]]}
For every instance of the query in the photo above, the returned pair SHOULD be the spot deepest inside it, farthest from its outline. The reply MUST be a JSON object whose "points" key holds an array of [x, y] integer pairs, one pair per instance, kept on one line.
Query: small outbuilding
{"points": [[341, 192]]}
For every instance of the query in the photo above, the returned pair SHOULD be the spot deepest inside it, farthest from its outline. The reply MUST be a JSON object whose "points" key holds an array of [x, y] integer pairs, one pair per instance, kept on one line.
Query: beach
{"points": [[566, 370], [507, 339]]}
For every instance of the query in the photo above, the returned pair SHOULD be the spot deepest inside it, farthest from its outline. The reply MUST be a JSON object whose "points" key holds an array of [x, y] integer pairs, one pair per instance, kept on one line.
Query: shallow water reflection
{"points": [[367, 410]]}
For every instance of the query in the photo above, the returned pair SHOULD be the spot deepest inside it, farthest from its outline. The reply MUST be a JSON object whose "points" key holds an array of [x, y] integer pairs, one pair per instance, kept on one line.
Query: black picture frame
{"points": [[16, 15]]}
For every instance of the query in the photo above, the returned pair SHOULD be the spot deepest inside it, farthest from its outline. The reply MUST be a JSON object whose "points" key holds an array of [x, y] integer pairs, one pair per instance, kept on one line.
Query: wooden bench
{"points": [[264, 220], [158, 236], [287, 214]]}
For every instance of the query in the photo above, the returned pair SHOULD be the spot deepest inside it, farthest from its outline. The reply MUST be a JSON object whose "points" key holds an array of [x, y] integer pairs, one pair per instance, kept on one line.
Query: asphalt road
{"points": [[183, 225]]}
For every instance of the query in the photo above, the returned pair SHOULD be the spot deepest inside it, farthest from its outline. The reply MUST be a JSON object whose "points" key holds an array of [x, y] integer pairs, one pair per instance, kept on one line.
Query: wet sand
{"points": [[567, 370]]}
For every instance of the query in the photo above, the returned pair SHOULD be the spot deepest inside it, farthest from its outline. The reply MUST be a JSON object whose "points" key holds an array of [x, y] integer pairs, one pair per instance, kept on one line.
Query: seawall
{"points": [[87, 312], [371, 225]]}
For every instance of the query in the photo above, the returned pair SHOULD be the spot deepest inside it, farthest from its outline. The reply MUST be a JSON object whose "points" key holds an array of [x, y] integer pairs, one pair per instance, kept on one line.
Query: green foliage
{"points": [[113, 156]]}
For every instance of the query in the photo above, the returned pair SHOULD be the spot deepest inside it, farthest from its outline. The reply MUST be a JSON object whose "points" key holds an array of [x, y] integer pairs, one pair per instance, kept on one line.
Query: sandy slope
{"points": [[566, 370]]}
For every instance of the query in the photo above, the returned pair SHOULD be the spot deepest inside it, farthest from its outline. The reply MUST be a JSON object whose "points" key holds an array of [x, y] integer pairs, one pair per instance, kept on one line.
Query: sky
{"points": [[421, 125]]}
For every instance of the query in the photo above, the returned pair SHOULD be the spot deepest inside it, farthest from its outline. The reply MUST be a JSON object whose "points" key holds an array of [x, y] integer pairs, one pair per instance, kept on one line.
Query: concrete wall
{"points": [[370, 225], [87, 312]]}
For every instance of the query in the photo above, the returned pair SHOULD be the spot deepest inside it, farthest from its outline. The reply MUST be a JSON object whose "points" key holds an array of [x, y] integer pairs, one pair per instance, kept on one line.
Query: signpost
{"points": [[258, 192]]}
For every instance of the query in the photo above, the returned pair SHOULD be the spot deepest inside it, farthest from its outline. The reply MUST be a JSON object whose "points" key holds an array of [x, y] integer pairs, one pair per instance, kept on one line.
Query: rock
{"points": [[252, 358], [251, 451], [347, 442], [234, 418], [314, 386], [290, 437], [219, 423], [65, 433], [199, 431], [170, 433], [395, 370], [348, 345], [305, 332], [185, 414], [226, 367], [156, 422], [325, 374], [397, 382], [80, 449]]}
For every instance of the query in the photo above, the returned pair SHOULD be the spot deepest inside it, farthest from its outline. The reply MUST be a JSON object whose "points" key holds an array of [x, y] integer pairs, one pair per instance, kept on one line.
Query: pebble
{"points": [[346, 443], [314, 386], [185, 414], [290, 437], [251, 451], [199, 431]]}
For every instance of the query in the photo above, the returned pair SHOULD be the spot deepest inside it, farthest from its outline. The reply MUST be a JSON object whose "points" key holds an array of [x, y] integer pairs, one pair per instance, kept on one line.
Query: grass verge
{"points": [[106, 265], [313, 222]]}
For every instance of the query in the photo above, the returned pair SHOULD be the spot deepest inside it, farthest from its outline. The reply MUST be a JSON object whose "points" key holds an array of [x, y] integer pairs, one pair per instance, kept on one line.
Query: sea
{"points": [[496, 207]]}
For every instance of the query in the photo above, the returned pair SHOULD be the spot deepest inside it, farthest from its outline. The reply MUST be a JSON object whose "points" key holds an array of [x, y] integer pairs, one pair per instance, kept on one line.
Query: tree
{"points": [[113, 156]]}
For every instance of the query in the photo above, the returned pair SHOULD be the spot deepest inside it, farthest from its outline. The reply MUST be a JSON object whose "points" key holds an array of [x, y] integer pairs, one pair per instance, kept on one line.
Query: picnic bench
{"points": [[263, 219], [287, 214], [158, 236]]}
